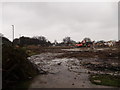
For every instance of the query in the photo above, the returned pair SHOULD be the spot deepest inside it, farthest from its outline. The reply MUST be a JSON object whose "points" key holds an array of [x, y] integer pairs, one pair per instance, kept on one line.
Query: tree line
{"points": [[38, 40]]}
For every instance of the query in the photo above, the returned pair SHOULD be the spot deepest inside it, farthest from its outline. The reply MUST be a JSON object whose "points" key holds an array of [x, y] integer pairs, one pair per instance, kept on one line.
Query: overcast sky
{"points": [[56, 20]]}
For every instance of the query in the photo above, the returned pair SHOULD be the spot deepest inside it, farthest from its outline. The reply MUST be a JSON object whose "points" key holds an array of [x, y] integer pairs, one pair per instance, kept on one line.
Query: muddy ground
{"points": [[71, 68]]}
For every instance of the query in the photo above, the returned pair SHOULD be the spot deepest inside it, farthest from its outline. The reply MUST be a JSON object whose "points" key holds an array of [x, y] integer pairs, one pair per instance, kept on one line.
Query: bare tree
{"points": [[87, 39], [67, 40], [40, 38]]}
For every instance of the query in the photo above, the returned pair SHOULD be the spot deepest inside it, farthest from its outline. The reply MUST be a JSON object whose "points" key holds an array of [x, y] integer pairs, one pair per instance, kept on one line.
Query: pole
{"points": [[13, 31], [19, 38]]}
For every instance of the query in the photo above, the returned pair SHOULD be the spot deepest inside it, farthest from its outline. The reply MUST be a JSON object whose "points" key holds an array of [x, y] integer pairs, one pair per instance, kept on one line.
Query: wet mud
{"points": [[61, 72]]}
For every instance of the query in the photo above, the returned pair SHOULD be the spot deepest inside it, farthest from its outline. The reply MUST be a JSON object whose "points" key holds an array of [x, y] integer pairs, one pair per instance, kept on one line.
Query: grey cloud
{"points": [[56, 20]]}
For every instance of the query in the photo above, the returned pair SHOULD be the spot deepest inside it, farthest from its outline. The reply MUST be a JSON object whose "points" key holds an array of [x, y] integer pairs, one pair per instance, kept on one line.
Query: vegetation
{"points": [[108, 80], [24, 41], [6, 41], [16, 67]]}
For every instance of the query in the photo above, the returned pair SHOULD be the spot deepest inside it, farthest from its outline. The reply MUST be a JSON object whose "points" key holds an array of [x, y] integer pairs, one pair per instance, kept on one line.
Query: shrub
{"points": [[16, 67]]}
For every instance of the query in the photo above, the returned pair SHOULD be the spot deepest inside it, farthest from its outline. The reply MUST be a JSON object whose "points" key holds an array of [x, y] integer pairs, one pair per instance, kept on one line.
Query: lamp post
{"points": [[13, 31], [19, 38]]}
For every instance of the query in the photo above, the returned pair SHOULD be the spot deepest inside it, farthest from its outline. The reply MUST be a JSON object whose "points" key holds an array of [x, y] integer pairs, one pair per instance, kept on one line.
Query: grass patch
{"points": [[107, 80]]}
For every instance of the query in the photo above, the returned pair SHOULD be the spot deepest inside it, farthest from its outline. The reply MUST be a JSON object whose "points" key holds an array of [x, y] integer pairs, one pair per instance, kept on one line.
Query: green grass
{"points": [[107, 80]]}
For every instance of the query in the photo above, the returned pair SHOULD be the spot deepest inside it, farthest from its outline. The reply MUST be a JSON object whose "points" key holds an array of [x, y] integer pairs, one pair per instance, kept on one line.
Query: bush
{"points": [[16, 67]]}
